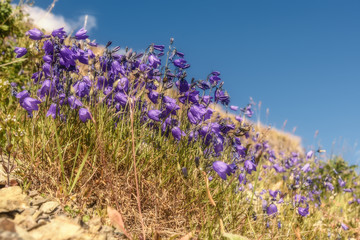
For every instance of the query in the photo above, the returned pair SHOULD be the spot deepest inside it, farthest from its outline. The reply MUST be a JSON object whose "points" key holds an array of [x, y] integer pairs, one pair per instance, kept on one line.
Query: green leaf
{"points": [[4, 28], [231, 236]]}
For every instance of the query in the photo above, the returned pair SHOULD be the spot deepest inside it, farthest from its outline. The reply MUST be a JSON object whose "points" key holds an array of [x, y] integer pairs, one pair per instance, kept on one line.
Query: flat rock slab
{"points": [[12, 199], [49, 207], [60, 228]]}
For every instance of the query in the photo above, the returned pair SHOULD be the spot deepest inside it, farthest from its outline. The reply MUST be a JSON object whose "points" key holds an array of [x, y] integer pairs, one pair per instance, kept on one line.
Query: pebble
{"points": [[49, 207]]}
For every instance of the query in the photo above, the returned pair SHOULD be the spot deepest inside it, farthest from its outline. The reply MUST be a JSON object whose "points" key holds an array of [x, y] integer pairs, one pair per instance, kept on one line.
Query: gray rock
{"points": [[37, 201], [33, 193], [28, 212], [49, 207], [94, 225], [37, 214], [12, 199], [60, 228]]}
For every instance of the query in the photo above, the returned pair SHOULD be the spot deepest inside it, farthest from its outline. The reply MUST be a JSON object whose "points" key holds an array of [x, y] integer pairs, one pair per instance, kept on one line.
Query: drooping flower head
{"points": [[52, 111], [303, 211], [84, 114], [271, 209], [249, 166], [20, 51], [154, 115], [222, 169], [81, 34], [60, 33], [30, 104], [35, 34]]}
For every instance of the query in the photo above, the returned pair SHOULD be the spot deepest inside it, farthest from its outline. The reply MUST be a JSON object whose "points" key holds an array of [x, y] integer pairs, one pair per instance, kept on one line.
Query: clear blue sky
{"points": [[300, 58]]}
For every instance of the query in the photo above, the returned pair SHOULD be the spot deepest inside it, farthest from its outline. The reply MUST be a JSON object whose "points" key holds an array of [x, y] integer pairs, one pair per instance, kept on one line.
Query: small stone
{"points": [[9, 236], [12, 199], [33, 193], [49, 207], [28, 223], [7, 225], [37, 214], [28, 212], [37, 201], [59, 228], [106, 229], [94, 224], [44, 216]]}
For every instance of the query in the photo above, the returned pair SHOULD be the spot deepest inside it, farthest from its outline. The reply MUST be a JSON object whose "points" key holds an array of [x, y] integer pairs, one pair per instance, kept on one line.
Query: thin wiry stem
{"points": [[135, 173]]}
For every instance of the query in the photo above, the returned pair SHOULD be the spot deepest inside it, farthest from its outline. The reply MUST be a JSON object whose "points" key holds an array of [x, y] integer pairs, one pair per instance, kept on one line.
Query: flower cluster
{"points": [[181, 110]]}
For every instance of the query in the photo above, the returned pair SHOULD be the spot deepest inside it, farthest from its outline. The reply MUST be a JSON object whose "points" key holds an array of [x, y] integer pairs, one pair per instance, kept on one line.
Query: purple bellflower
{"points": [[81, 34], [271, 209], [303, 211], [222, 169], [20, 51], [52, 111], [35, 34], [249, 166], [84, 114], [154, 115]]}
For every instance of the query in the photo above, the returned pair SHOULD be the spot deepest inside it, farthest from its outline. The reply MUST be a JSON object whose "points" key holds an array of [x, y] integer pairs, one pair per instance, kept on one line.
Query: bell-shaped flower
{"points": [[190, 97], [68, 57], [52, 111], [48, 47], [170, 107], [81, 34], [204, 85], [154, 115], [48, 58], [341, 182], [273, 193], [234, 108], [82, 88], [344, 226], [46, 69], [159, 47], [121, 98], [84, 114], [206, 99], [30, 104], [303, 211], [74, 102], [222, 96], [47, 89], [278, 168], [248, 111], [123, 85], [180, 63], [271, 209], [183, 86], [306, 168], [102, 82], [20, 51], [35, 34], [22, 95], [222, 169], [249, 166], [177, 133], [195, 114], [154, 61], [242, 178], [153, 96], [214, 80], [309, 154], [60, 33]]}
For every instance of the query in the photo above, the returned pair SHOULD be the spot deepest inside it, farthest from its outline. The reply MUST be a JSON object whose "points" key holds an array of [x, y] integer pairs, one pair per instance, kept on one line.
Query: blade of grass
{"points": [[79, 171]]}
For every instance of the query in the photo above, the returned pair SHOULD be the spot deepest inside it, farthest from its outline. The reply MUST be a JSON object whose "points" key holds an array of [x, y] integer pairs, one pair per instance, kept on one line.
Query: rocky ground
{"points": [[31, 216]]}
